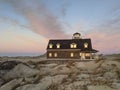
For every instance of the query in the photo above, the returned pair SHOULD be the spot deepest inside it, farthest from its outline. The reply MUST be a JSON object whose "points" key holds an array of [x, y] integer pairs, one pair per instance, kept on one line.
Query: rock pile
{"points": [[101, 75]]}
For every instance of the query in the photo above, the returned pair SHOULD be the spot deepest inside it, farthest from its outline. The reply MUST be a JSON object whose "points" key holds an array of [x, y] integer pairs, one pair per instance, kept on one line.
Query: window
{"points": [[73, 45], [80, 54], [85, 45], [87, 54], [55, 54], [58, 45], [50, 54], [50, 45], [71, 54]]}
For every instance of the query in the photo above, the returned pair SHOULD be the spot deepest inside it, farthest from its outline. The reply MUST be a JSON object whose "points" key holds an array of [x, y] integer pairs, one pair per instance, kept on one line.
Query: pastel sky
{"points": [[27, 25]]}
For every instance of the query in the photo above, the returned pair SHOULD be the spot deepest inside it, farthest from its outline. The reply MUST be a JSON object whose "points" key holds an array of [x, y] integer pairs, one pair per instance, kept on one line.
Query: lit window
{"points": [[50, 54], [85, 45], [58, 45], [55, 54], [80, 54], [73, 45], [71, 54], [87, 54], [50, 45]]}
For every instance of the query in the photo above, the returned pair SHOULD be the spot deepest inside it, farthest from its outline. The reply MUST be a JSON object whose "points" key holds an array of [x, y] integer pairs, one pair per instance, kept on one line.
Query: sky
{"points": [[27, 25]]}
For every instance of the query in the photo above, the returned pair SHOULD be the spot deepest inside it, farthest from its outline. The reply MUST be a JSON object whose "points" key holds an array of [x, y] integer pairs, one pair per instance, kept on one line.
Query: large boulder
{"points": [[99, 88], [60, 69], [20, 71], [44, 84], [11, 85], [7, 65]]}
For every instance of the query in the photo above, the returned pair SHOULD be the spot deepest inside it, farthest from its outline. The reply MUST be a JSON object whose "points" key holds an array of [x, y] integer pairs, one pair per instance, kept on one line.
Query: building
{"points": [[75, 48]]}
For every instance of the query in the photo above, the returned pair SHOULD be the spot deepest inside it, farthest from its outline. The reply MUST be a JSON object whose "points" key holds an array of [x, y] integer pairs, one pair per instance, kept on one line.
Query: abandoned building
{"points": [[75, 48]]}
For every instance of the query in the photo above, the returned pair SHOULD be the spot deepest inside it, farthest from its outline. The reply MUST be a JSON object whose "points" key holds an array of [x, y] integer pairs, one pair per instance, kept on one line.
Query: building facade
{"points": [[75, 48]]}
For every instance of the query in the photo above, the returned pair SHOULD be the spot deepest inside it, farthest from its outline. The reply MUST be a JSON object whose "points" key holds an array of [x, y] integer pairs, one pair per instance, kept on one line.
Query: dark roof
{"points": [[76, 33], [65, 44]]}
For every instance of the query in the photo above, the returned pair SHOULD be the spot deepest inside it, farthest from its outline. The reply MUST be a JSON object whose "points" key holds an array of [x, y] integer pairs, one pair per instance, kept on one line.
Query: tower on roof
{"points": [[76, 35]]}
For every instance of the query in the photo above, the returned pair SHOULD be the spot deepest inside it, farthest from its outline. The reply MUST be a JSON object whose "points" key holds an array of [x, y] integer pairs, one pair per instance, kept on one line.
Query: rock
{"points": [[44, 84], [2, 81], [7, 65], [60, 69], [52, 65], [91, 65], [111, 75], [74, 86], [116, 86], [19, 71], [83, 76], [11, 85], [103, 87]]}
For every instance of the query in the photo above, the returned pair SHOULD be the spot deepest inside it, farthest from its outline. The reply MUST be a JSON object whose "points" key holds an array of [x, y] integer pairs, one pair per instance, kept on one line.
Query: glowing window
{"points": [[55, 54], [73, 45], [71, 54], [85, 45], [50, 54], [50, 45], [58, 45], [87, 54], [80, 54]]}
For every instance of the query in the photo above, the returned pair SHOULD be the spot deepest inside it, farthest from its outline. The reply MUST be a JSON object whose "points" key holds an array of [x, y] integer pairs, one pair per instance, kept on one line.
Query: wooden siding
{"points": [[65, 54]]}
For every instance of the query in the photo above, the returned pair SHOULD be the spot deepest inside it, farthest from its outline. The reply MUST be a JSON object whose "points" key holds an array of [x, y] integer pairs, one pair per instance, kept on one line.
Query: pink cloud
{"points": [[105, 42]]}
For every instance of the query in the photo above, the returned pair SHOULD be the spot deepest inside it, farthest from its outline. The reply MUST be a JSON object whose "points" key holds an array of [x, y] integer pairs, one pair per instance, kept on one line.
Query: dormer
{"points": [[58, 45], [73, 45], [50, 45], [86, 45]]}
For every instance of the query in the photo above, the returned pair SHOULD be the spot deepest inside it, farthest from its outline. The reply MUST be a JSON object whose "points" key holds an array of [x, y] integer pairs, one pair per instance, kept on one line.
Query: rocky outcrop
{"points": [[20, 71]]}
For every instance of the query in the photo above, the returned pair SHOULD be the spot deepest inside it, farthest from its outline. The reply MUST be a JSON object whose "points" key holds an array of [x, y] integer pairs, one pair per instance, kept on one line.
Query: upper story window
{"points": [[50, 45], [73, 45], [58, 45], [85, 45]]}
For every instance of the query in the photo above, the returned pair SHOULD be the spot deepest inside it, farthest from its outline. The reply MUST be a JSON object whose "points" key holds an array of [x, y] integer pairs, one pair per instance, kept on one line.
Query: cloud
{"points": [[105, 36], [40, 19], [65, 8]]}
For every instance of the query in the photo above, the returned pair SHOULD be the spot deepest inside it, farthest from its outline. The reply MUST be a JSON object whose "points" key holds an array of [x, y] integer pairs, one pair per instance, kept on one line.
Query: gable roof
{"points": [[65, 44]]}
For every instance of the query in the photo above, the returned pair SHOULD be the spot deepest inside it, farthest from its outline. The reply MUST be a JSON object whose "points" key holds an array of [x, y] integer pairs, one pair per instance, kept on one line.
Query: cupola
{"points": [[76, 35]]}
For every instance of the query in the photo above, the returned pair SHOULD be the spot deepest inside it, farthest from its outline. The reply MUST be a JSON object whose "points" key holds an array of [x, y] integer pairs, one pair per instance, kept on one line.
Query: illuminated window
{"points": [[73, 45], [58, 45], [50, 54], [80, 54], [87, 54], [50, 45], [71, 54], [55, 54], [85, 45]]}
